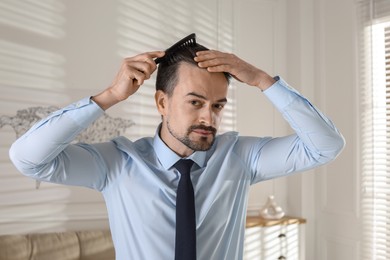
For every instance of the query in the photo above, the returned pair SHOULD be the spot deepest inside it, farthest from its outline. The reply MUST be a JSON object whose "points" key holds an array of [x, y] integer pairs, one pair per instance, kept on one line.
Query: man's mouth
{"points": [[203, 130]]}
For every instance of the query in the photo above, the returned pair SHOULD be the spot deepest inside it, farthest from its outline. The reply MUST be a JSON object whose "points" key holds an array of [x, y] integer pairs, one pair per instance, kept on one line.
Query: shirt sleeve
{"points": [[316, 140], [45, 151]]}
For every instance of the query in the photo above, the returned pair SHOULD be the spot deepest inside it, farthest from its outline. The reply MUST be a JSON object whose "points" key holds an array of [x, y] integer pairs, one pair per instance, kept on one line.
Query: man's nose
{"points": [[206, 117]]}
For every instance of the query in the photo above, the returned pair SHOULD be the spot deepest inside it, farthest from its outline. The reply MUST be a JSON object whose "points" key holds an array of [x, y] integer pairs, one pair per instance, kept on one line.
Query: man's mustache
{"points": [[202, 127]]}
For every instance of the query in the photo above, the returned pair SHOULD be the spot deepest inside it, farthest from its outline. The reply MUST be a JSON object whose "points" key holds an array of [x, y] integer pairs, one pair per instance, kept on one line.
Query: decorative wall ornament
{"points": [[103, 129]]}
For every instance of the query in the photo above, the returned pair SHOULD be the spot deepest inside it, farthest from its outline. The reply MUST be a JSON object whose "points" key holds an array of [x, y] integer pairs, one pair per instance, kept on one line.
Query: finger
{"points": [[148, 55], [155, 54], [149, 58], [214, 62], [138, 77], [220, 68], [212, 58], [145, 67], [151, 64], [210, 54], [205, 55]]}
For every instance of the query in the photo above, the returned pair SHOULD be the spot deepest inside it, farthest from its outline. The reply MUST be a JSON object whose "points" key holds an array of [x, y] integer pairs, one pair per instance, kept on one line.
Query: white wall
{"points": [[265, 47], [319, 59], [337, 185], [322, 61]]}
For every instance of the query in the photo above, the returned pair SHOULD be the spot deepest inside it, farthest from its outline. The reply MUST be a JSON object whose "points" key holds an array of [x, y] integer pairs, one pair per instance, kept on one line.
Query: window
{"points": [[375, 127]]}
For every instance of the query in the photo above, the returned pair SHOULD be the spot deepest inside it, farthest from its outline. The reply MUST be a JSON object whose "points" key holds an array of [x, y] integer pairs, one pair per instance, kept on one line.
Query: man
{"points": [[139, 180]]}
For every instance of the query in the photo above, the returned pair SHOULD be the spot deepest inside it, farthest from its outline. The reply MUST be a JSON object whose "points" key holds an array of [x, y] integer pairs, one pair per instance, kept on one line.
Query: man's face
{"points": [[191, 116]]}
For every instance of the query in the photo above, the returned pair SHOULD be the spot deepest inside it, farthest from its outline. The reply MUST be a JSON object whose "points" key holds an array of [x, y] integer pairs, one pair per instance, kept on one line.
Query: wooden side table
{"points": [[274, 239]]}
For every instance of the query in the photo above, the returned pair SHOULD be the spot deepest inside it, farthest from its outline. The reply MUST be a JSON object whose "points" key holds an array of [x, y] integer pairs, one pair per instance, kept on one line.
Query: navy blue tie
{"points": [[185, 245]]}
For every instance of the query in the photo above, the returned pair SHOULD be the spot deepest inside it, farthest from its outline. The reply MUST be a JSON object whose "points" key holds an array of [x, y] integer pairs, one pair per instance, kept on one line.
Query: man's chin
{"points": [[201, 145], [202, 148]]}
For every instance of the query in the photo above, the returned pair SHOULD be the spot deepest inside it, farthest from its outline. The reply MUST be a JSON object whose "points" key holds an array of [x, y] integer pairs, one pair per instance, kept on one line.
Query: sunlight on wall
{"points": [[41, 17], [19, 206], [271, 243], [30, 74], [28, 67]]}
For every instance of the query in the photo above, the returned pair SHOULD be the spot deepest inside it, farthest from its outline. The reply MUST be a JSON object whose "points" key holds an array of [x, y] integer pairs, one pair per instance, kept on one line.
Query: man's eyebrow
{"points": [[222, 100]]}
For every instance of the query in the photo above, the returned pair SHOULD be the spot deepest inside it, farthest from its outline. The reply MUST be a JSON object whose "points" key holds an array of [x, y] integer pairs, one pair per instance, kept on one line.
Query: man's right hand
{"points": [[131, 75]]}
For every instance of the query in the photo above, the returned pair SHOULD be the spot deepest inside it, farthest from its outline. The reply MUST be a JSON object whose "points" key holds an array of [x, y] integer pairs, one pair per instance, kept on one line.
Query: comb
{"points": [[189, 40]]}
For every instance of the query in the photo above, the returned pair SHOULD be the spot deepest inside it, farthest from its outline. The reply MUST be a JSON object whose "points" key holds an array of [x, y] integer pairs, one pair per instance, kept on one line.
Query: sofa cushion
{"points": [[96, 245], [14, 247], [64, 246], [71, 245]]}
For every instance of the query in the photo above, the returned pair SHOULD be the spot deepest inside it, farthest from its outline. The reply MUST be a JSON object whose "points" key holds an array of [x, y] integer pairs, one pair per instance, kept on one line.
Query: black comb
{"points": [[189, 40]]}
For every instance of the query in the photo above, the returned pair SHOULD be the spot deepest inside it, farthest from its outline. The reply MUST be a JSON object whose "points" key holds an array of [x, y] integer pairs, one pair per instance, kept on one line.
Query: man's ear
{"points": [[161, 100]]}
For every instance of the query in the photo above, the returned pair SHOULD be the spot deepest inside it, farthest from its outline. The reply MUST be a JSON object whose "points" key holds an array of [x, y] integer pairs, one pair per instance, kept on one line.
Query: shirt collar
{"points": [[168, 158]]}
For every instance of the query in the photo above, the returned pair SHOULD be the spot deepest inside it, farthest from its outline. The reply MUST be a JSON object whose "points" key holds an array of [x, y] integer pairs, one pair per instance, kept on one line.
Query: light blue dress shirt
{"points": [[138, 180]]}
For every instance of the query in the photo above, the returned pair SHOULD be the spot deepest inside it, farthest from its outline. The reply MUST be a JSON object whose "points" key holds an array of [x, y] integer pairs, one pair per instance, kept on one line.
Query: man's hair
{"points": [[167, 73]]}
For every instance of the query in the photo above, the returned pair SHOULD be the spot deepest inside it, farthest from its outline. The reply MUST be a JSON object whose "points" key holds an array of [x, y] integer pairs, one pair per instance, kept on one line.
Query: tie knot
{"points": [[184, 165]]}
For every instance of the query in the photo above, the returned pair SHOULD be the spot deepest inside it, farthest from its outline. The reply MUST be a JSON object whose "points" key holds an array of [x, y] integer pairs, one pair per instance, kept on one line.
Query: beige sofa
{"points": [[83, 245]]}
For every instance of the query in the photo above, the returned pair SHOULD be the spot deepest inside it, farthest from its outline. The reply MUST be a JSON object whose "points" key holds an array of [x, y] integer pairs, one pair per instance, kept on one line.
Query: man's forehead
{"points": [[186, 68], [211, 86], [200, 96]]}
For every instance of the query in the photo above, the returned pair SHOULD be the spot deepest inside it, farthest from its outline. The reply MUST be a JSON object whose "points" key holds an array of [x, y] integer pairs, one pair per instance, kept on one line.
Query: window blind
{"points": [[374, 49], [159, 27]]}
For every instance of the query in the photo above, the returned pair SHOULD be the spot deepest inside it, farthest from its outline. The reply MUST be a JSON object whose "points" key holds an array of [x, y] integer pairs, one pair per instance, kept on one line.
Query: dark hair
{"points": [[167, 75]]}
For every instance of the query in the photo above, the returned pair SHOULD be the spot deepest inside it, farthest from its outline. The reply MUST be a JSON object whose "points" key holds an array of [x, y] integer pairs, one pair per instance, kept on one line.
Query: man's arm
{"points": [[45, 153], [317, 140]]}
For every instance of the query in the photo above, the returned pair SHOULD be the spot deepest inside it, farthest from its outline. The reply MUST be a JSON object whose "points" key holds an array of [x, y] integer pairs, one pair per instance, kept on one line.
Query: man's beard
{"points": [[202, 145]]}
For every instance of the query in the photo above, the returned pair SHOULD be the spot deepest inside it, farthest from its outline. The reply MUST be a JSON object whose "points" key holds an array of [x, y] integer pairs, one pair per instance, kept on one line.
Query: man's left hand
{"points": [[216, 61]]}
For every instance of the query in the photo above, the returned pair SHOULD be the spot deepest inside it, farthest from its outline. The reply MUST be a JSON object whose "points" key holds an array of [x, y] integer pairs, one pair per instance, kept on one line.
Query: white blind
{"points": [[374, 49], [164, 23]]}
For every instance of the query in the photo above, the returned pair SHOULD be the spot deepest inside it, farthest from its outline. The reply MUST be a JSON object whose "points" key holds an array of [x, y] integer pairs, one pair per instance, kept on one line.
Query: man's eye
{"points": [[195, 103], [219, 106]]}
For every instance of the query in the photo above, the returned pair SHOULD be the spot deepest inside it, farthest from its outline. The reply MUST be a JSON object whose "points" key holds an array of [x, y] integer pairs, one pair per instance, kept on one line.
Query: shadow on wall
{"points": [[32, 80], [272, 243], [28, 73]]}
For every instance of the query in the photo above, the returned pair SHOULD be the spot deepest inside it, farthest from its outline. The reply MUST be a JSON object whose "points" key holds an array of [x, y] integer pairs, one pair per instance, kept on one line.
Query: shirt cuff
{"points": [[83, 112], [281, 94]]}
